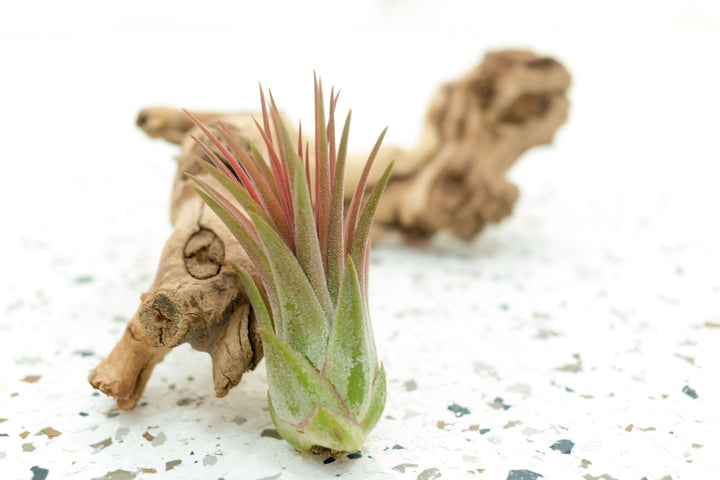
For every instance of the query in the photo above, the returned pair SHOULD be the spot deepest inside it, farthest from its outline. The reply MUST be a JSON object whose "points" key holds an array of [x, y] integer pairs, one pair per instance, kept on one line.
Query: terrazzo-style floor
{"points": [[578, 339]]}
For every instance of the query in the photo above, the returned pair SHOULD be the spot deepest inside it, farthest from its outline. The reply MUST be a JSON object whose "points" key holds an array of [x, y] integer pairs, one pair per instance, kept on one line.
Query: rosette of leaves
{"points": [[326, 387]]}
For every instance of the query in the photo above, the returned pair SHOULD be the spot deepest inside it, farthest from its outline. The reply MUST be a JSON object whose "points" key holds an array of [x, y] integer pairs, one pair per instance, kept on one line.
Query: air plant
{"points": [[326, 388]]}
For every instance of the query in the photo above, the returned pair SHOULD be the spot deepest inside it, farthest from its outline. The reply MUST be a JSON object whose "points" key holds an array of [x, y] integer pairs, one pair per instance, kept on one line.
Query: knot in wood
{"points": [[204, 254]]}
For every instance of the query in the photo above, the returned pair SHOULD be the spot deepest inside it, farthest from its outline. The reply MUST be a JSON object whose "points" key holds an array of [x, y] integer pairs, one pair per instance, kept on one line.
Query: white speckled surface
{"points": [[588, 322]]}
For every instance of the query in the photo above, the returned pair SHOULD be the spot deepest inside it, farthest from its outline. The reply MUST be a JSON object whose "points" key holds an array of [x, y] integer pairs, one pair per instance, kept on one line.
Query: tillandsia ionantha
{"points": [[309, 290]]}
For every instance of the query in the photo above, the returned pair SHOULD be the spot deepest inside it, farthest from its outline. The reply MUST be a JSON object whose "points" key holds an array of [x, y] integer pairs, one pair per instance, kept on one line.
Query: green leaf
{"points": [[354, 208], [331, 430], [323, 184], [240, 194], [262, 165], [301, 319], [360, 244], [307, 248], [288, 431], [336, 241], [262, 179], [323, 428], [262, 313], [351, 362], [377, 401], [296, 388]]}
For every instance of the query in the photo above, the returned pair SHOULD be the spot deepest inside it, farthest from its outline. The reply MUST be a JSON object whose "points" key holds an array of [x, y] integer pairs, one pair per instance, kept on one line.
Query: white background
{"points": [[612, 246]]}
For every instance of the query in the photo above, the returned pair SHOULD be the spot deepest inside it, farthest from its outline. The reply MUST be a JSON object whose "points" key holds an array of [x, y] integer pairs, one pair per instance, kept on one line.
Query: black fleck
{"points": [[328, 460], [192, 452], [355, 455], [83, 414], [397, 446], [4, 435], [689, 392], [483, 431], [458, 410], [95, 394], [522, 475], [563, 446], [84, 353], [569, 390], [39, 473]]}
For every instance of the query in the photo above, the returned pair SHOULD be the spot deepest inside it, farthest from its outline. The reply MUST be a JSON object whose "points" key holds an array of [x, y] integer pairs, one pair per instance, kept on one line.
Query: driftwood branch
{"points": [[454, 179]]}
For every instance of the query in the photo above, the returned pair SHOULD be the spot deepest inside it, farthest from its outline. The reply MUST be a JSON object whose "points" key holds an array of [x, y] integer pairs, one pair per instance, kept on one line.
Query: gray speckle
{"points": [[26, 360], [172, 464], [429, 474], [563, 446], [209, 460], [605, 476], [544, 334], [483, 431], [512, 424], [184, 401], [27, 447], [239, 420], [410, 385], [522, 475], [118, 475], [39, 473], [571, 367], [159, 439], [484, 369], [689, 392], [521, 388], [271, 432], [99, 446], [121, 433], [401, 468], [498, 404], [271, 477], [83, 279], [584, 463], [2, 454], [688, 359], [458, 410]]}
